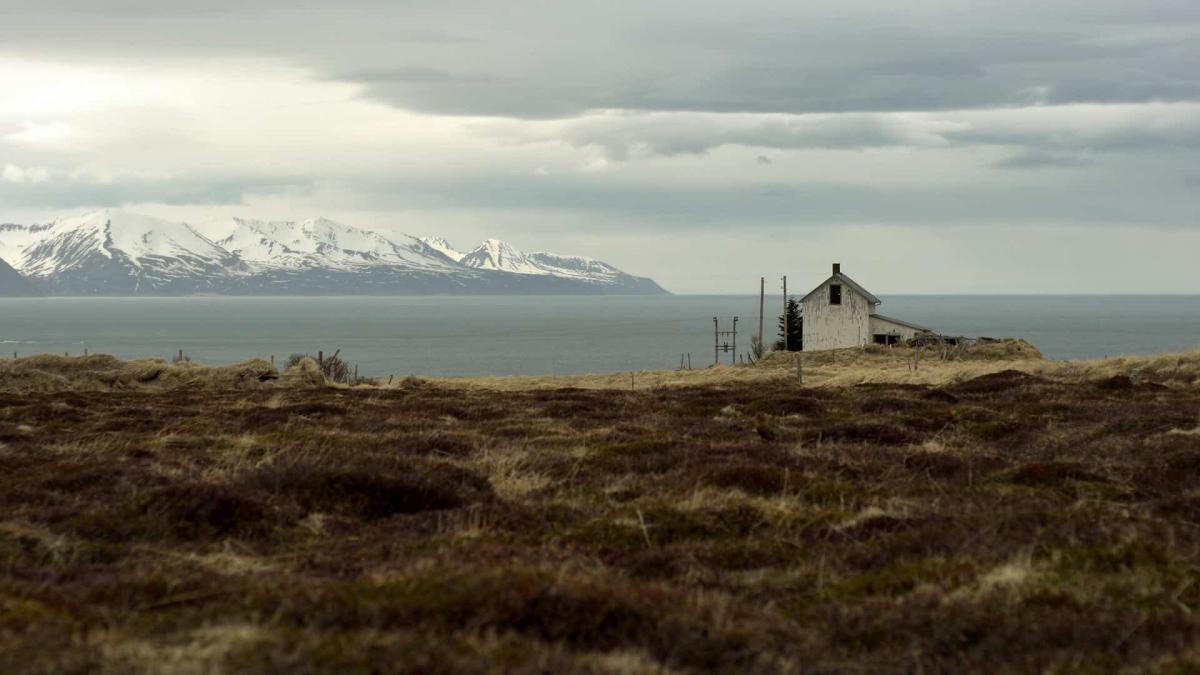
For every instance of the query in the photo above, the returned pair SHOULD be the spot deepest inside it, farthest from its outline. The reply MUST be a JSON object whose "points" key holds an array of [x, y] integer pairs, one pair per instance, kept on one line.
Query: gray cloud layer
{"points": [[590, 118], [538, 60], [1062, 128]]}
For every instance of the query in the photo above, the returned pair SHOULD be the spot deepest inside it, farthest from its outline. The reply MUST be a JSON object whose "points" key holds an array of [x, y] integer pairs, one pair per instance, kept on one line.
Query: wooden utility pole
{"points": [[785, 326], [735, 339], [716, 343], [762, 294]]}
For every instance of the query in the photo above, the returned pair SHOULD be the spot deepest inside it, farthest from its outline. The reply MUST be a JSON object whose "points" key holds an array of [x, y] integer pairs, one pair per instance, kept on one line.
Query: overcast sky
{"points": [[968, 146]]}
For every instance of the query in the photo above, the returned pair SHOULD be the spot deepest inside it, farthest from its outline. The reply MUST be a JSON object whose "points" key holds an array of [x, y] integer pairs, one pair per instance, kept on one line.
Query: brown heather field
{"points": [[986, 512]]}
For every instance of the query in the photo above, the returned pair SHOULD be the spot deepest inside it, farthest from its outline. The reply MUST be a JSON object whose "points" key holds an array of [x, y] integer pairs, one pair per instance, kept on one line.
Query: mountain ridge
{"points": [[13, 283], [116, 252]]}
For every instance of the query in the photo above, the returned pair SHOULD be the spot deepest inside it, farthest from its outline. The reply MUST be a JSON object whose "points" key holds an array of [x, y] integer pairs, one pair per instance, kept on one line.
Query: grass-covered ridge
{"points": [[1017, 520]]}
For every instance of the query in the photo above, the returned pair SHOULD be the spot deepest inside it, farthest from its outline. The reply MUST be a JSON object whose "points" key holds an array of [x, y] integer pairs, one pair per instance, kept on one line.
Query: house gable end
{"points": [[837, 314], [846, 283]]}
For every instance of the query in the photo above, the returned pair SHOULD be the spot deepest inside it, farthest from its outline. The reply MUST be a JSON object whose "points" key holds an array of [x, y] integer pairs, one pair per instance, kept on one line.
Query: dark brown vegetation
{"points": [[1006, 523]]}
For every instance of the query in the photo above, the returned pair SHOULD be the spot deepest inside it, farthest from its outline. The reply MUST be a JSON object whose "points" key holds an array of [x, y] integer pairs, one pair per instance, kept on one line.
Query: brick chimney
{"points": [[837, 268]]}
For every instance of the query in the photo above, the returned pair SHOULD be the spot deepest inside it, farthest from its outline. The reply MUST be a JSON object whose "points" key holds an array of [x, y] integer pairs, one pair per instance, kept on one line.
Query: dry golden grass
{"points": [[50, 372], [1013, 522], [845, 367], [872, 365]]}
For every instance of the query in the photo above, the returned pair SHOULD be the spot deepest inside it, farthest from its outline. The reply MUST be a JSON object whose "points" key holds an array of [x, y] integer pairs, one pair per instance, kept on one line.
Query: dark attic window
{"points": [[835, 294]]}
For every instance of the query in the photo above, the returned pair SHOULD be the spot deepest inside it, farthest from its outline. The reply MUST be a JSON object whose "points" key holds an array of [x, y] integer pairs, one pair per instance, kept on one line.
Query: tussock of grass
{"points": [[100, 372], [304, 373]]}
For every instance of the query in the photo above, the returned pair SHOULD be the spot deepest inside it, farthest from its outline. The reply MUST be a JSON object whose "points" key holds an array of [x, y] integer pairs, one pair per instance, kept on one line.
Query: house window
{"points": [[835, 294]]}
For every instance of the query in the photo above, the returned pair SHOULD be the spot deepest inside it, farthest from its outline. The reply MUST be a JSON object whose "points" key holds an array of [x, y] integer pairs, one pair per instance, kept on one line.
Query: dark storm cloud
{"points": [[540, 60]]}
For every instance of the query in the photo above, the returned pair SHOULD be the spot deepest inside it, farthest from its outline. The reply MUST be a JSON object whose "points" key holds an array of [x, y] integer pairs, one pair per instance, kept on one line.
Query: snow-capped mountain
{"points": [[494, 254], [324, 243], [115, 252], [14, 238], [442, 246], [574, 266], [12, 284]]}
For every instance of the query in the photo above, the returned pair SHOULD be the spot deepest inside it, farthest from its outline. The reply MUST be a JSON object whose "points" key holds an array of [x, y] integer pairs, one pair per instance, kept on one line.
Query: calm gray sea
{"points": [[533, 335]]}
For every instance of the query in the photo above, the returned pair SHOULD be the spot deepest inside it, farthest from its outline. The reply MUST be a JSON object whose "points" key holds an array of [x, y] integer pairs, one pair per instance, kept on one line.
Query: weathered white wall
{"points": [[836, 326], [879, 325]]}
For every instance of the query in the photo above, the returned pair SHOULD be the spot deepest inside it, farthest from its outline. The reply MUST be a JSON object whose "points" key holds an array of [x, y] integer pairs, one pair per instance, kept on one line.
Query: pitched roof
{"points": [[843, 279], [902, 323]]}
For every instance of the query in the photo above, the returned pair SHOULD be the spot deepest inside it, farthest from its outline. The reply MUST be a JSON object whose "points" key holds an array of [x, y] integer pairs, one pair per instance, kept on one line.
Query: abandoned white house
{"points": [[839, 313]]}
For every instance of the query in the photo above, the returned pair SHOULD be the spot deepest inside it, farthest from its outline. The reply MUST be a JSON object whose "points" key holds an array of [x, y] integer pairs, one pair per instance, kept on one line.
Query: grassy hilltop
{"points": [[901, 511]]}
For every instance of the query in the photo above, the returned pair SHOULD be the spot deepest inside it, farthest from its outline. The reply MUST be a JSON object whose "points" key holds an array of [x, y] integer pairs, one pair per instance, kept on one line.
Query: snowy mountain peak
{"points": [[442, 246], [573, 264], [328, 230], [111, 233], [113, 251], [322, 243], [494, 254]]}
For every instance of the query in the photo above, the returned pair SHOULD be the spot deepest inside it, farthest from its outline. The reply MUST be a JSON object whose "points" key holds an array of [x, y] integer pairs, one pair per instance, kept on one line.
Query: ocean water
{"points": [[535, 335]]}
